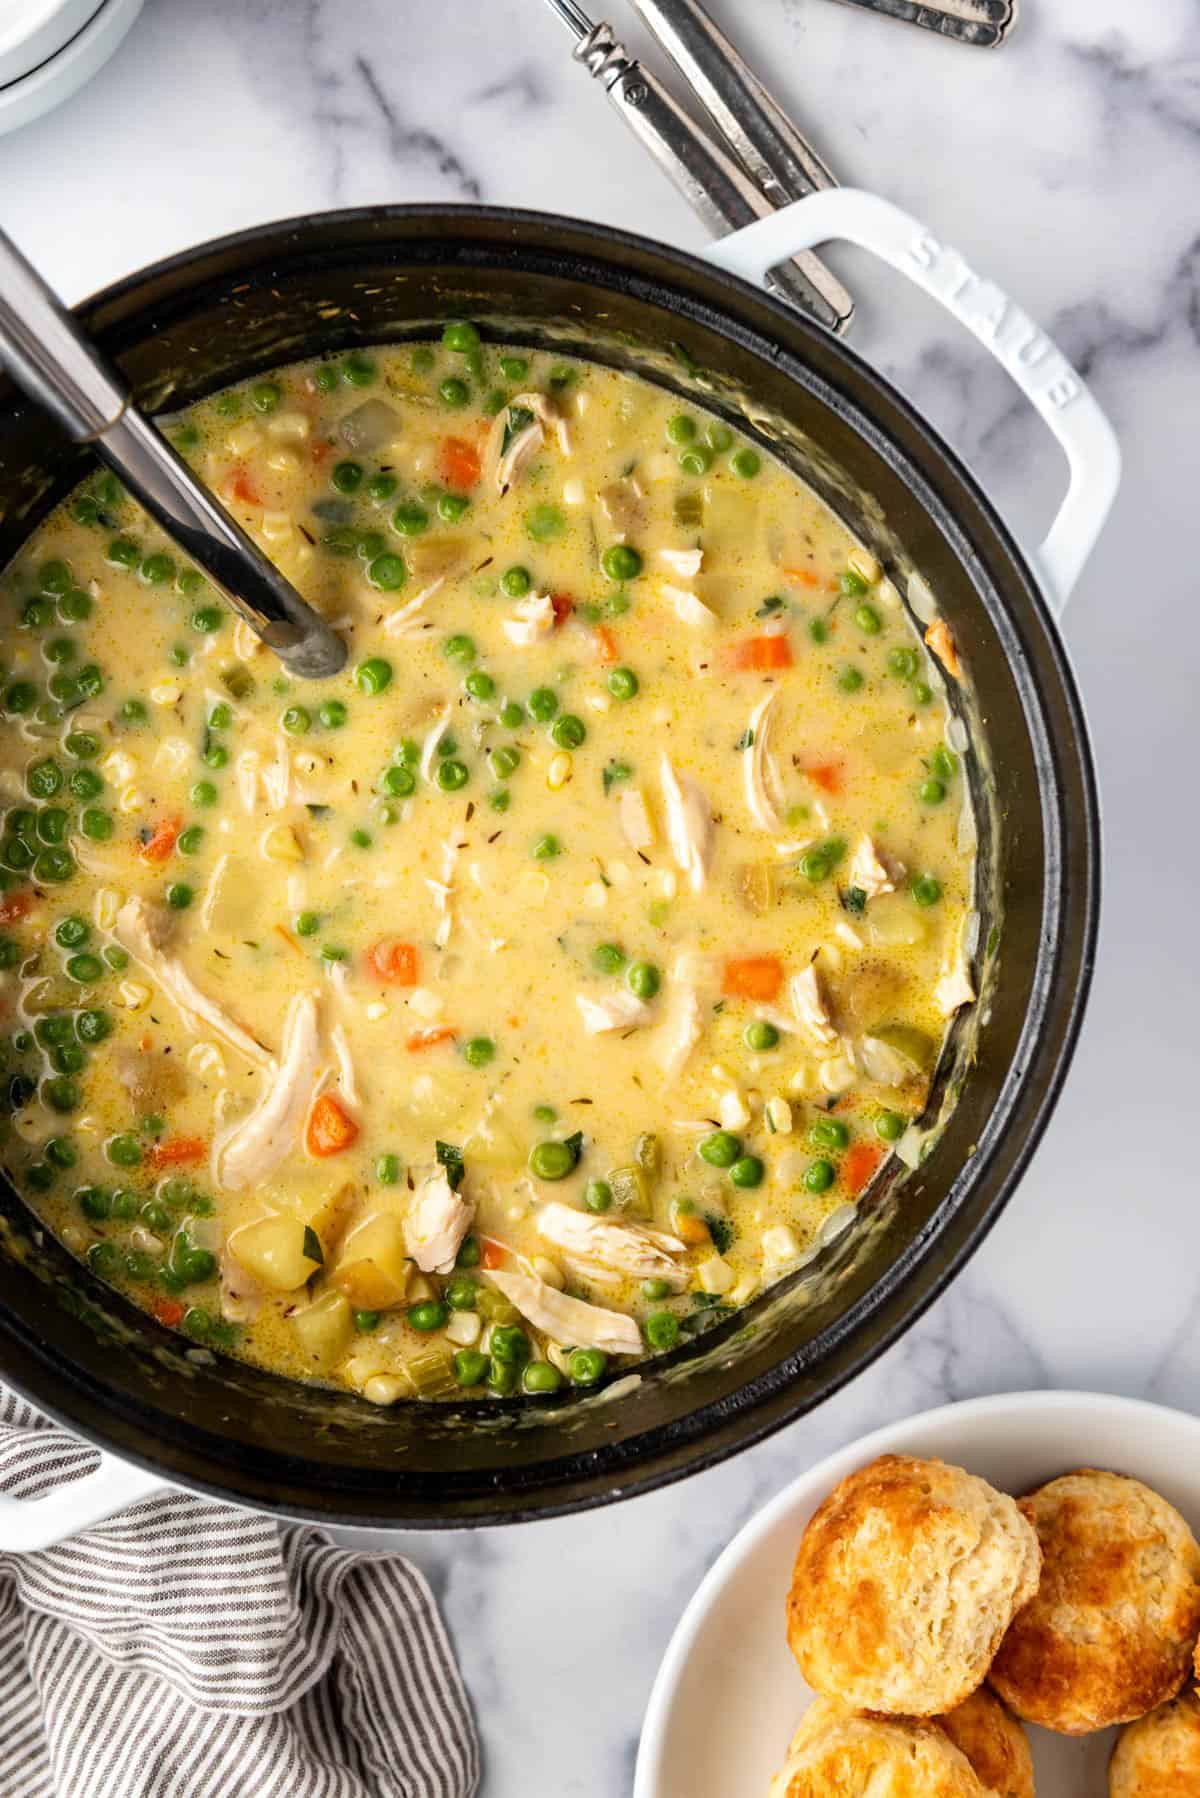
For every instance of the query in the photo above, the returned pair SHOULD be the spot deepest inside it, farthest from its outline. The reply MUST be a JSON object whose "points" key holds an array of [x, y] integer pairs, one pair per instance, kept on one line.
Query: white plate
{"points": [[98, 29], [729, 1695]]}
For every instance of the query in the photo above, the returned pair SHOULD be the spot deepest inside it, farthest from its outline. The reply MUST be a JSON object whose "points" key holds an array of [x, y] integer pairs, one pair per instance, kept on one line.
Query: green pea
{"points": [[868, 620], [52, 825], [469, 1252], [62, 1093], [60, 649], [479, 685], [207, 619], [179, 655], [696, 460], [430, 1315], [922, 693], [191, 582], [85, 783], [943, 763], [568, 731], [452, 776], [819, 1175], [903, 663], [190, 840], [374, 675], [745, 463], [221, 716], [760, 1035], [358, 370], [470, 1367], [453, 392], [452, 507], [598, 1196], [661, 1329], [73, 932], [296, 720], [721, 1149], [20, 697], [479, 1051], [215, 755], [85, 968], [516, 581], [156, 569], [387, 572], [510, 1345], [849, 680], [408, 752], [459, 648], [54, 577], [853, 584], [621, 562], [623, 683], [133, 711], [398, 782], [361, 838], [325, 378], [643, 979], [10, 953], [546, 847], [16, 854], [124, 1151], [544, 523], [124, 1206], [608, 958], [551, 1160], [68, 1058], [410, 519], [587, 1366], [117, 958], [86, 511], [95, 1202], [514, 368], [93, 1026], [347, 476], [889, 1125], [681, 428], [499, 799], [541, 1377], [462, 1293], [204, 793], [543, 703], [931, 792], [36, 614], [332, 714], [44, 779], [460, 336], [828, 1133], [54, 865], [179, 895], [926, 889], [265, 396], [61, 1152]]}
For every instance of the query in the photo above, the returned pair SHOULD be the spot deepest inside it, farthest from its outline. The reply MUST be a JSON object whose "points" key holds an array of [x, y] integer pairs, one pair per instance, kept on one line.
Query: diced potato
{"points": [[278, 1251], [331, 1214], [374, 1269], [325, 1329]]}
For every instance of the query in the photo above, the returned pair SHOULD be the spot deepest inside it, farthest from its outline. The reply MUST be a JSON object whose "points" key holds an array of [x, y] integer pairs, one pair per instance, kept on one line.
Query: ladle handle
{"points": [[1039, 369], [48, 355]]}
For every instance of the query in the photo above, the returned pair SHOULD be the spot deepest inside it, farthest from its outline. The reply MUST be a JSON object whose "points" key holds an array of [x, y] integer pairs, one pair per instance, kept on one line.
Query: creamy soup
{"points": [[530, 996]]}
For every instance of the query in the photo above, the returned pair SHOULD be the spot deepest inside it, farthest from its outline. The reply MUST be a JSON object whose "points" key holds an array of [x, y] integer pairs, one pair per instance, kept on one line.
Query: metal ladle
{"points": [[46, 353]]}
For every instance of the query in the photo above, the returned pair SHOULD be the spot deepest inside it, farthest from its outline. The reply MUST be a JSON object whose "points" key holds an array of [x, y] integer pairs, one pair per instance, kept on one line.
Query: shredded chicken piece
{"points": [[410, 619], [572, 1322], [241, 1294], [880, 1061], [530, 621], [143, 930], [523, 445], [276, 776], [810, 1006], [438, 1221], [622, 504], [689, 607], [246, 774], [680, 1031], [684, 562], [347, 1074], [760, 769], [941, 640], [587, 1243], [432, 738], [633, 815], [256, 1145], [870, 871], [443, 891], [618, 1010], [689, 824]]}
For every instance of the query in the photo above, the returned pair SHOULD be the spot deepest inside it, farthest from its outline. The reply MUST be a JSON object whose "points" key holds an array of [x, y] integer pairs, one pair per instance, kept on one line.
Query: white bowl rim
{"points": [[821, 1477], [36, 30]]}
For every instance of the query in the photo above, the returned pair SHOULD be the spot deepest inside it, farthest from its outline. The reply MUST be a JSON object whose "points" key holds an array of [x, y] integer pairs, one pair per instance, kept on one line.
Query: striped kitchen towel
{"points": [[188, 1650]]}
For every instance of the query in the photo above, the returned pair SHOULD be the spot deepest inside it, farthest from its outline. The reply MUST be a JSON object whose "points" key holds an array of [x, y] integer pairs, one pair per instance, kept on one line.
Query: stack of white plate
{"points": [[49, 48]]}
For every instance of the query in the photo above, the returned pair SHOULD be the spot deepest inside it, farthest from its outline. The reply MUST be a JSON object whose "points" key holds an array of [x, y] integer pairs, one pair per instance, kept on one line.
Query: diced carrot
{"points": [[283, 931], [859, 1164], [330, 1127], [168, 1312], [428, 1039], [321, 451], [827, 775], [606, 644], [178, 1151], [491, 1252], [239, 486], [753, 977], [16, 905], [759, 655], [807, 577], [563, 605], [393, 962], [166, 835], [940, 639], [458, 462]]}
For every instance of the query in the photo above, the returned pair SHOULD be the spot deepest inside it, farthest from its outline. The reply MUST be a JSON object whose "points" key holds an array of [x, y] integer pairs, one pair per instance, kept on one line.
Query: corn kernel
{"points": [[425, 1002], [133, 995], [245, 644], [119, 767], [595, 895], [290, 427], [376, 1010], [559, 772], [132, 800], [107, 905], [283, 460], [779, 1116], [277, 526], [243, 439], [168, 692], [384, 1389], [206, 1059], [574, 493], [463, 1328], [733, 1110]]}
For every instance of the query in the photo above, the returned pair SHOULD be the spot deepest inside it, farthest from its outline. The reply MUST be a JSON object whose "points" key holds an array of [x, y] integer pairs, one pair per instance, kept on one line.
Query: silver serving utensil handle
{"points": [[714, 184], [776, 156], [48, 355]]}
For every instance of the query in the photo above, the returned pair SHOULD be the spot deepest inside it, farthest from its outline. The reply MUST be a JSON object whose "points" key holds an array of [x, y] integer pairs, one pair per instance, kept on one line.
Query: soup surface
{"points": [[533, 993]]}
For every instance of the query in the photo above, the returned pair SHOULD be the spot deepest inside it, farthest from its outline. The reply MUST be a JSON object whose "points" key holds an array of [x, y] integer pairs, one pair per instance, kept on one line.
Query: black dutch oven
{"points": [[251, 302]]}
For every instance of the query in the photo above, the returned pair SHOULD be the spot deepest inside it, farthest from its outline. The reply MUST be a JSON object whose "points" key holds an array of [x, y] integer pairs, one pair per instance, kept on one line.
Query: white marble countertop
{"points": [[1067, 166]]}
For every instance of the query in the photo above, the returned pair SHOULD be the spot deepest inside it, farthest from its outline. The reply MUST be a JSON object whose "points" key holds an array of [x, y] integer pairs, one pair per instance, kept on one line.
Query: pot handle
{"points": [[1041, 372], [31, 1523]]}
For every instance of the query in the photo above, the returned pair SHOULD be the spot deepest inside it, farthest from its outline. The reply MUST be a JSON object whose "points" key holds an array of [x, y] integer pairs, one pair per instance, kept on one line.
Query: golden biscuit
{"points": [[905, 1581], [1111, 1631], [837, 1754], [1159, 1757], [994, 1742]]}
